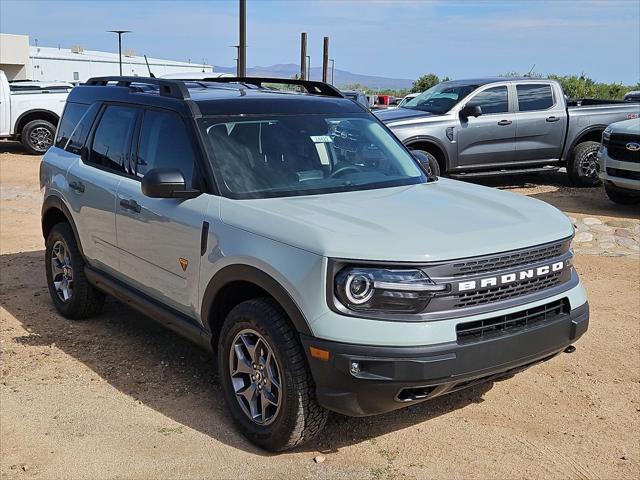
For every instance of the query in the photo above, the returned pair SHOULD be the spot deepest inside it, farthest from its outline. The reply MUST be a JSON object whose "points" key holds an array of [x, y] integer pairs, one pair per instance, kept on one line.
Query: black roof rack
{"points": [[167, 88], [313, 87]]}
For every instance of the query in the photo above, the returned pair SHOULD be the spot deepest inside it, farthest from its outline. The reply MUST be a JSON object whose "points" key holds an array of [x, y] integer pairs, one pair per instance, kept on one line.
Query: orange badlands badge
{"points": [[184, 263]]}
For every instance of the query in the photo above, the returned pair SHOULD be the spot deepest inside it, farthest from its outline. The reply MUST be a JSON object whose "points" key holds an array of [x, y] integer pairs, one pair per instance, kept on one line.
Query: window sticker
{"points": [[321, 139]]}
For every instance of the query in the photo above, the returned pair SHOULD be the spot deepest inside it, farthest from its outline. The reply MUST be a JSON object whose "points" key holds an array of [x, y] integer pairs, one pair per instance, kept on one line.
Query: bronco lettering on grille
{"points": [[511, 277]]}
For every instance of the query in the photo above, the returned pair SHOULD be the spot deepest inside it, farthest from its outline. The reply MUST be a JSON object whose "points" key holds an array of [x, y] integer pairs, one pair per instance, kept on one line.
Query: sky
{"points": [[400, 39]]}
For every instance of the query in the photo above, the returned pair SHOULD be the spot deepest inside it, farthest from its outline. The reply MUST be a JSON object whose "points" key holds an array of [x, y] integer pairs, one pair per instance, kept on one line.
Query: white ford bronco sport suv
{"points": [[295, 236]]}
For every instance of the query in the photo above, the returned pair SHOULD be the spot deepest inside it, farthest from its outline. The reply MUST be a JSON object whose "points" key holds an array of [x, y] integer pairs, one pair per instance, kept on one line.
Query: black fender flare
{"points": [[566, 155], [55, 202], [250, 274], [429, 139]]}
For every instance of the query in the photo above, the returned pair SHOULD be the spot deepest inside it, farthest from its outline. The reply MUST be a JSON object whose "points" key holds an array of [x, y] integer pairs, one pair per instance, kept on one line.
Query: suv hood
{"points": [[395, 114], [443, 220]]}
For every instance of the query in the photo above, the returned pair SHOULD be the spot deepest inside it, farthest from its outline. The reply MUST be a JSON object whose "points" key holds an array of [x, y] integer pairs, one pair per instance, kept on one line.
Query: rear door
{"points": [[541, 122], [93, 181], [488, 140], [159, 238]]}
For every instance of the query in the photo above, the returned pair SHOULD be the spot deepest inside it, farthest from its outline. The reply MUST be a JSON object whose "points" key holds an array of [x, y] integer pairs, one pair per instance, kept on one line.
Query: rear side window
{"points": [[81, 131], [492, 100], [73, 112], [534, 97], [112, 139], [165, 143]]}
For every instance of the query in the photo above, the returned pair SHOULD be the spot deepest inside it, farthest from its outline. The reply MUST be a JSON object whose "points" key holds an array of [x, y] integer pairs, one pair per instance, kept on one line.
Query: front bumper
{"points": [[388, 378]]}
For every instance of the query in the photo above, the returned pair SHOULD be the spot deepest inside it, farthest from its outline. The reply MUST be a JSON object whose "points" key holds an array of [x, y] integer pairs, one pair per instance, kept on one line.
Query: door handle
{"points": [[504, 122], [131, 205], [77, 186], [552, 119]]}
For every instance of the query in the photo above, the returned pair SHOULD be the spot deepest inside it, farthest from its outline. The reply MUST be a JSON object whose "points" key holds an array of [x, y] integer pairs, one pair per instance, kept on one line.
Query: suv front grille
{"points": [[480, 330], [504, 292], [510, 259], [617, 147]]}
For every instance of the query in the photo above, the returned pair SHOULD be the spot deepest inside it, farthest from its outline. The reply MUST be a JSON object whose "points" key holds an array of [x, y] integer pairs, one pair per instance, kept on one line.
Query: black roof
{"points": [[224, 96]]}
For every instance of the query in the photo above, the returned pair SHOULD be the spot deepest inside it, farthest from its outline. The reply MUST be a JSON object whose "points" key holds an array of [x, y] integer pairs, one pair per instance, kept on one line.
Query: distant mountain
{"points": [[341, 77]]}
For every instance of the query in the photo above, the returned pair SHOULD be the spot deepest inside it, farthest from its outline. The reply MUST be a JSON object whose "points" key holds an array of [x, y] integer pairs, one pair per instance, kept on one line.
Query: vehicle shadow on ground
{"points": [[584, 201], [9, 146], [165, 372]]}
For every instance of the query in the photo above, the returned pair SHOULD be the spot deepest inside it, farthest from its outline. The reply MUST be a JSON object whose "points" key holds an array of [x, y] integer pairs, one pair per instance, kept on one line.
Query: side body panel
{"points": [[159, 245]]}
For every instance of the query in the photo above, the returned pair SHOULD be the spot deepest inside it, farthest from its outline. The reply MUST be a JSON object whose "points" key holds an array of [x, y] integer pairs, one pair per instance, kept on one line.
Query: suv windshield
{"points": [[440, 98], [285, 155]]}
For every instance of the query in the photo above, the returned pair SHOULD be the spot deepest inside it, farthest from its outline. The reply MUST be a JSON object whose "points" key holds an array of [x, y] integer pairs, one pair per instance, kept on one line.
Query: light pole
{"points": [[119, 33], [333, 63], [308, 67]]}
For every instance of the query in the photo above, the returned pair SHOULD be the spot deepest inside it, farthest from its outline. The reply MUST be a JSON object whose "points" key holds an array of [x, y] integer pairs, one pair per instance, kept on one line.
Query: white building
{"points": [[21, 61]]}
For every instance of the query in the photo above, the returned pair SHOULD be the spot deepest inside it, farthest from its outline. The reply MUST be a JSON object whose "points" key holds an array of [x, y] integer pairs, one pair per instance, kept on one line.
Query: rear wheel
{"points": [[582, 169], [72, 294], [429, 161], [267, 384], [37, 136], [623, 198]]}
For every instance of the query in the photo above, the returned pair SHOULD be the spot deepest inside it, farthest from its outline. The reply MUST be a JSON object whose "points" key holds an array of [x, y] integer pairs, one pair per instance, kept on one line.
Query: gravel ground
{"points": [[119, 397]]}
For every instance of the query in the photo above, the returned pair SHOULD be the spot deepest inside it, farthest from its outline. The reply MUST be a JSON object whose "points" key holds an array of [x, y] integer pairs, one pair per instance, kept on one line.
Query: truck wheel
{"points": [[72, 294], [582, 166], [430, 162], [622, 198], [37, 136], [265, 378]]}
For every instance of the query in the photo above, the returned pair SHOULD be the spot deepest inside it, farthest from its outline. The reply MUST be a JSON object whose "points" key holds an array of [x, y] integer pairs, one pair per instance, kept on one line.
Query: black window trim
{"points": [[517, 100], [88, 148]]}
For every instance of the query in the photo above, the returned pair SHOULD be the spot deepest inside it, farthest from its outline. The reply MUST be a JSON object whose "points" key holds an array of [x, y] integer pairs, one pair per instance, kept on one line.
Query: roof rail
{"points": [[313, 87], [168, 88]]}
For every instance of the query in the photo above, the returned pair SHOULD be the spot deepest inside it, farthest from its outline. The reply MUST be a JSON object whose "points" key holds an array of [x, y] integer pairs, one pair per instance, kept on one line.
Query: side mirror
{"points": [[166, 183], [423, 160], [470, 111]]}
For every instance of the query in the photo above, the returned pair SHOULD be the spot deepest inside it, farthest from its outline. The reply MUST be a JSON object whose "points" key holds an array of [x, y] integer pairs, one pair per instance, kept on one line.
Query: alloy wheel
{"points": [[40, 138], [255, 376], [588, 165], [62, 271]]}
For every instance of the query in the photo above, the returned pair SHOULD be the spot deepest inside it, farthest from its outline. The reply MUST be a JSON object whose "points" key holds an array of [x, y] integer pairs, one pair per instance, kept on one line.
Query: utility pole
{"points": [[119, 33], [303, 56], [242, 43], [325, 60], [333, 64]]}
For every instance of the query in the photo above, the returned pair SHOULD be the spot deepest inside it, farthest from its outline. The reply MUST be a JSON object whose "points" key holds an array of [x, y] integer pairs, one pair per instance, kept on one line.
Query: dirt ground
{"points": [[119, 397]]}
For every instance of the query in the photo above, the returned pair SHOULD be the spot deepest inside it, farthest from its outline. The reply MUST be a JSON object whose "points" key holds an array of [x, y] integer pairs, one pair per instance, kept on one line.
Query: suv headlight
{"points": [[384, 290]]}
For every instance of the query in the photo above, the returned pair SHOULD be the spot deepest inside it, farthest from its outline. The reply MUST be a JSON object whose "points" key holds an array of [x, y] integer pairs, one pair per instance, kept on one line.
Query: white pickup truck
{"points": [[29, 111]]}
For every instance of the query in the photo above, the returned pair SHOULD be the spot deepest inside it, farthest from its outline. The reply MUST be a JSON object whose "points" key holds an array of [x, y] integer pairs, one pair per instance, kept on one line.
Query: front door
{"points": [[159, 238], [488, 140]]}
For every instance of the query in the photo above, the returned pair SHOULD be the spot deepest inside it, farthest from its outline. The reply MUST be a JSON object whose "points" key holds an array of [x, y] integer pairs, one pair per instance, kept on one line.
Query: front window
{"points": [[440, 98], [285, 155]]}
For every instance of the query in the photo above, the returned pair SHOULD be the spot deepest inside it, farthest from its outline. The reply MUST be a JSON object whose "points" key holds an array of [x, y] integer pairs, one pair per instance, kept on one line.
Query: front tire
{"points": [[621, 198], [265, 378], [72, 294], [37, 136], [582, 166]]}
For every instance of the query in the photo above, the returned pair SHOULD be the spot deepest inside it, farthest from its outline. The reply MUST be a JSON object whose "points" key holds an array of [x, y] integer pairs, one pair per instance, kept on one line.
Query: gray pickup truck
{"points": [[497, 126]]}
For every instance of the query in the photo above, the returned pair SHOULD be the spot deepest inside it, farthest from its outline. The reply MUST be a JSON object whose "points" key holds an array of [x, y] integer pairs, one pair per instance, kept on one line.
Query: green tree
{"points": [[425, 82]]}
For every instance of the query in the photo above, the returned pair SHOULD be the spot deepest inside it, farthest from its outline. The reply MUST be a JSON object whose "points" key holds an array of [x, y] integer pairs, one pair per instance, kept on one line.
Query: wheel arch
{"points": [[55, 211], [592, 133], [237, 283], [432, 145], [36, 114]]}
